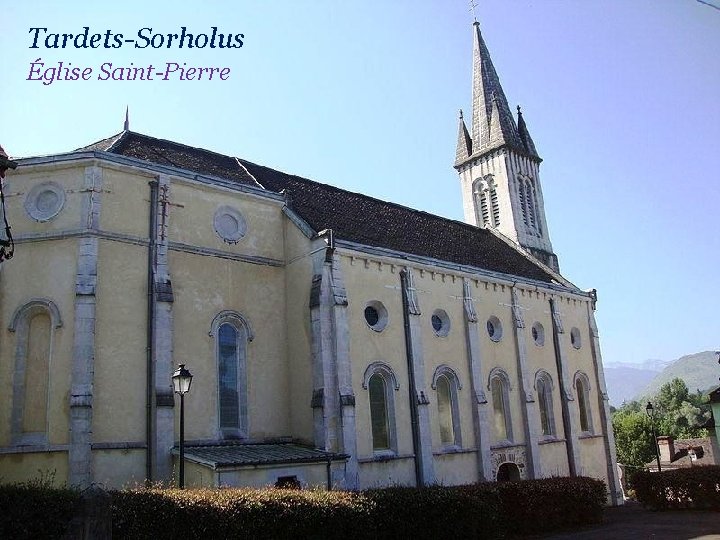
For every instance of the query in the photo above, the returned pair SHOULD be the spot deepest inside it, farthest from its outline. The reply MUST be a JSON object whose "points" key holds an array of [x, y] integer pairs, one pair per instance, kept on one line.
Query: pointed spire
{"points": [[464, 143], [126, 125], [492, 122], [524, 134]]}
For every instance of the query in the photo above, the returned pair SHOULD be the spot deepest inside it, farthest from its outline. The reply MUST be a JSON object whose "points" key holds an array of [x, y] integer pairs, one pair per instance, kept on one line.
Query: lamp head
{"points": [[181, 379]]}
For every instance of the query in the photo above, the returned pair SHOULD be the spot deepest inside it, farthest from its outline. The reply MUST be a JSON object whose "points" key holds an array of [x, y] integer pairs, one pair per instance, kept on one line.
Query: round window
{"points": [[376, 316], [494, 328], [538, 334], [440, 322], [575, 338], [371, 315]]}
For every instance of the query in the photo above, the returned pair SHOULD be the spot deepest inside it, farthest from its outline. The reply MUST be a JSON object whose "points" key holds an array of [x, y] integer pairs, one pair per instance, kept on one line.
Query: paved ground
{"points": [[632, 522]]}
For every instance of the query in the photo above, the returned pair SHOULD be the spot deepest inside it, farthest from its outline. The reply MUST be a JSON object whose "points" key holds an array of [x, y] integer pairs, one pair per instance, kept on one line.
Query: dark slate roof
{"points": [[352, 216], [164, 152], [372, 222], [237, 455]]}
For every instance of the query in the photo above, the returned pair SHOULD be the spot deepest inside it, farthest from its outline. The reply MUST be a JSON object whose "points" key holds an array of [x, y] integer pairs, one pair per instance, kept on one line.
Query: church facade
{"points": [[335, 339]]}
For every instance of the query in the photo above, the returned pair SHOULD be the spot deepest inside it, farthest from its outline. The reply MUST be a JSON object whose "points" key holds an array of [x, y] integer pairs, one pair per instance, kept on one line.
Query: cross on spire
{"points": [[473, 5]]}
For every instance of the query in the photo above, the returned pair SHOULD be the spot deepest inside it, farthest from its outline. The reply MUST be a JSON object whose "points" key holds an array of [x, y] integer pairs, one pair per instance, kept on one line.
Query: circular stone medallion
{"points": [[44, 201], [229, 224]]}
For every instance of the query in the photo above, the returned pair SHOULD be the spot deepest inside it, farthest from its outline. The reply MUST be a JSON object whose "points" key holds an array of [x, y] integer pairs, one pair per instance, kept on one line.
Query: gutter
{"points": [[419, 479], [152, 228]]}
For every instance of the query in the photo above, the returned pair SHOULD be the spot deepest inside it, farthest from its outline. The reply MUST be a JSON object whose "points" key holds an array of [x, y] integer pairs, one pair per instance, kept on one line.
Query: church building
{"points": [[334, 339]]}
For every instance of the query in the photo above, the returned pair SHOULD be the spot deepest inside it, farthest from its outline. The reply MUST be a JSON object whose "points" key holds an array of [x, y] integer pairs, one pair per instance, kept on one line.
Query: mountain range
{"points": [[627, 381]]}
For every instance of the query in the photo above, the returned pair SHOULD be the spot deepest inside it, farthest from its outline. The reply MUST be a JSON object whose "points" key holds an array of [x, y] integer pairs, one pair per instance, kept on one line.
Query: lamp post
{"points": [[651, 413], [181, 380]]}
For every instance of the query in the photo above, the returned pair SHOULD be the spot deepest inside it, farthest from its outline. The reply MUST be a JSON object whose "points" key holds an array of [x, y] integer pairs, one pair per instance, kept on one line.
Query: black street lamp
{"points": [[651, 413], [181, 380]]}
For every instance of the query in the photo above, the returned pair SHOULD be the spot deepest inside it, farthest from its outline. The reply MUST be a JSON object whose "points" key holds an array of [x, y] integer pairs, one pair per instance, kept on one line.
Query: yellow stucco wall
{"points": [[191, 220], [298, 281], [44, 466], [205, 286], [441, 291], [18, 186], [554, 459], [125, 202], [593, 458], [397, 472], [456, 469], [118, 469], [54, 282], [382, 284], [310, 475], [119, 405]]}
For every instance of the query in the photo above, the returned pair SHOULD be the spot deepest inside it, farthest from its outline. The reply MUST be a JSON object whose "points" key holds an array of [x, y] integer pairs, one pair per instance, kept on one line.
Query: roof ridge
{"points": [[111, 137], [122, 136], [180, 144]]}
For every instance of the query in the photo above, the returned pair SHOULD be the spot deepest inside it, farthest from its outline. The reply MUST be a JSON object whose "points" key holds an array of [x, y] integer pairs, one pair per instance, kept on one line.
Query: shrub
{"points": [[551, 504], [694, 487], [241, 513], [433, 512], [484, 510], [35, 510]]}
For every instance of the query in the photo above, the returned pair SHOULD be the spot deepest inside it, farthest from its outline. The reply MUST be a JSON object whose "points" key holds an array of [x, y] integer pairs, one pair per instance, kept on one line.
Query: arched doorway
{"points": [[508, 472]]}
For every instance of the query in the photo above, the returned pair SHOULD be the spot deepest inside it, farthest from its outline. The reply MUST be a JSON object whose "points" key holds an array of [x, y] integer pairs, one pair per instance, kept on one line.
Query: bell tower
{"points": [[499, 165]]}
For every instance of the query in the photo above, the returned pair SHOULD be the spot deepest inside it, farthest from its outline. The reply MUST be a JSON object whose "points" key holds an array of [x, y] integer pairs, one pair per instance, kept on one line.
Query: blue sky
{"points": [[620, 97]]}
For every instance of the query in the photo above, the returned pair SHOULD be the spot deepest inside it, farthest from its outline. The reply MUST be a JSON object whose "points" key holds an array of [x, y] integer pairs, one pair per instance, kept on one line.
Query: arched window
{"points": [[495, 206], [487, 206], [380, 382], [530, 197], [446, 383], [232, 332], [484, 208], [582, 390], [523, 200], [34, 325], [499, 387], [544, 387], [379, 412]]}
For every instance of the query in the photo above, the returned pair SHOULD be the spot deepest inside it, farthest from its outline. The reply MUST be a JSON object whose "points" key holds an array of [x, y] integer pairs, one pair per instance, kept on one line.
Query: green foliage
{"points": [[693, 487], [633, 439], [236, 513], [407, 512], [677, 412], [34, 510], [485, 510], [551, 504]]}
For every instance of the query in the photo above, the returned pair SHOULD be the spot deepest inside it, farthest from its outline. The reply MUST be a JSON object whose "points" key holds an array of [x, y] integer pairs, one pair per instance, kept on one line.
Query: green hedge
{"points": [[237, 513], [435, 512], [694, 487], [34, 510], [551, 504], [486, 510]]}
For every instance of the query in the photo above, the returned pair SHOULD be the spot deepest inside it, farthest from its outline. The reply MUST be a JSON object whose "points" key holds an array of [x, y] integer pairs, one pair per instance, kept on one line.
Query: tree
{"points": [[633, 439], [677, 412]]}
